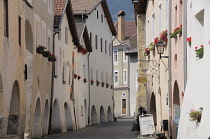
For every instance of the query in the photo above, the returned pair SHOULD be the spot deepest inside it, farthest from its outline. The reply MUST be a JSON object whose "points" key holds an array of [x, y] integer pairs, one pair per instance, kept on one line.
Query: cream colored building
{"points": [[12, 67], [96, 16], [124, 94], [38, 26]]}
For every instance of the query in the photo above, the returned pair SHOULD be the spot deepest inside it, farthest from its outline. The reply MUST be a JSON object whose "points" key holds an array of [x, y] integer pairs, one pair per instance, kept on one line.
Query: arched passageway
{"points": [[176, 109], [69, 124], [37, 119], [109, 114], [45, 122], [153, 108], [14, 112], [56, 120], [102, 115], [93, 115]]}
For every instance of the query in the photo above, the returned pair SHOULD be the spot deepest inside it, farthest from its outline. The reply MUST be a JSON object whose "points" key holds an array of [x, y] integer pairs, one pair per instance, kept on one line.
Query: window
{"points": [[102, 18], [70, 74], [96, 75], [153, 26], [124, 56], [110, 50], [105, 47], [125, 76], [91, 73], [102, 76], [66, 35], [19, 24], [116, 77], [115, 56], [97, 14], [82, 111], [84, 71], [59, 35], [90, 39], [160, 18], [64, 73], [106, 78], [6, 27], [49, 43], [148, 30], [96, 41], [101, 45]]}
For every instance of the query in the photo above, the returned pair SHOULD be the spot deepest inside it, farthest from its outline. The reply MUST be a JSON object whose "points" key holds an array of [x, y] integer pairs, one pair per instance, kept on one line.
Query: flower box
{"points": [[146, 52], [199, 51], [91, 81], [97, 83], [111, 87], [75, 76], [102, 84], [189, 40], [46, 53], [85, 80], [107, 85], [177, 31], [40, 49], [195, 115], [78, 77], [82, 50], [151, 47], [51, 58]]}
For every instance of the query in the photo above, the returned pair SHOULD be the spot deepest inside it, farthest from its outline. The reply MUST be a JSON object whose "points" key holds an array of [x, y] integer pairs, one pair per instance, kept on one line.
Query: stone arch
{"points": [[14, 112], [102, 115], [153, 108], [109, 114], [45, 122], [93, 115], [29, 68], [69, 123], [37, 119], [56, 119], [176, 108]]}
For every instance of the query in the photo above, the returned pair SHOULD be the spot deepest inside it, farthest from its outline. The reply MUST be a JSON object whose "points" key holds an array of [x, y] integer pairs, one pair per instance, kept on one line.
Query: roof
{"points": [[133, 51], [83, 32], [81, 7], [60, 7], [130, 29]]}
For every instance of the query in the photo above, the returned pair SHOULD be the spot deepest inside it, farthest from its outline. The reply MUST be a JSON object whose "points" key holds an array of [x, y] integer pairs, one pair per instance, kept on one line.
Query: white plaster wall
{"points": [[197, 88], [63, 52], [100, 96]]}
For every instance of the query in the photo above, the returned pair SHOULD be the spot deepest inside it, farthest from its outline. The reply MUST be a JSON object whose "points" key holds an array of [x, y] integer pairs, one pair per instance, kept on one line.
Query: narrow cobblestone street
{"points": [[111, 130]]}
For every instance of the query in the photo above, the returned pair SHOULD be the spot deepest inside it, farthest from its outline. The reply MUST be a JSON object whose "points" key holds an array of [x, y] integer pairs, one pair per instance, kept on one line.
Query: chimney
{"points": [[121, 25]]}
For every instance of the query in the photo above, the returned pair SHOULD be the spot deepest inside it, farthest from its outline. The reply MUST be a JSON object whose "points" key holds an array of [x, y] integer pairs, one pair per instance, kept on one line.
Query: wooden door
{"points": [[123, 106]]}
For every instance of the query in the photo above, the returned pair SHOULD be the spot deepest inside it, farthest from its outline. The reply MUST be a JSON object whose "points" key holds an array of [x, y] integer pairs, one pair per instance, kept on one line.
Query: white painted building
{"points": [[197, 87], [96, 16]]}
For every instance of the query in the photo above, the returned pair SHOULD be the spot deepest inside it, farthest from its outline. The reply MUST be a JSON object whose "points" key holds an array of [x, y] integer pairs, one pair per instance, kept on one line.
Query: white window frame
{"points": [[116, 83], [124, 56], [66, 36], [148, 30], [153, 25], [160, 17], [125, 73], [114, 56]]}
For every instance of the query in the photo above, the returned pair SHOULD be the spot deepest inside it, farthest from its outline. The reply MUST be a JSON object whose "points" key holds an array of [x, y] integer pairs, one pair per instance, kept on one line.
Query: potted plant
{"points": [[102, 84], [40, 49], [111, 87], [189, 40], [51, 58], [163, 36], [107, 85], [91, 81], [85, 80], [146, 52], [75, 76], [199, 52], [46, 53], [178, 30], [82, 50], [195, 115], [78, 77], [151, 47], [97, 83]]}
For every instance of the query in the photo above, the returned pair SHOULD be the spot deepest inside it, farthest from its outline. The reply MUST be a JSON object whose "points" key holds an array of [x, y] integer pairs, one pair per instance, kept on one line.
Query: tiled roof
{"points": [[130, 29], [132, 51], [87, 6], [84, 6], [59, 6]]}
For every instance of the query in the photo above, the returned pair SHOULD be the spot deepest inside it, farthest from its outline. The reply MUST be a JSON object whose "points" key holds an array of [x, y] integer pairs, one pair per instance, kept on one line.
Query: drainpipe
{"points": [[169, 71], [185, 40], [89, 88], [52, 83]]}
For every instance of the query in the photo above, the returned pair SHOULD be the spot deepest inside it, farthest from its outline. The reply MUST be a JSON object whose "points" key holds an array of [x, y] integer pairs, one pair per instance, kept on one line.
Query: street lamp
{"points": [[160, 49]]}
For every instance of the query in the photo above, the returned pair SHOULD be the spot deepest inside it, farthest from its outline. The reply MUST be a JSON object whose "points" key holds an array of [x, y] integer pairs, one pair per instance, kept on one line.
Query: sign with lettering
{"points": [[146, 124]]}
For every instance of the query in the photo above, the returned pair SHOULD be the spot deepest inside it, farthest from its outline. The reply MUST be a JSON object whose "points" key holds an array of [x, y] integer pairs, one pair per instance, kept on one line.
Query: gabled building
{"points": [[12, 67], [96, 16], [125, 40]]}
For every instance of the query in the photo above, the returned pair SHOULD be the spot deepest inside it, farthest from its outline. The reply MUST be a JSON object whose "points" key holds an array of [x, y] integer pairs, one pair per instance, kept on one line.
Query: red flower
{"points": [[180, 25], [156, 40], [196, 48], [189, 39], [202, 45]]}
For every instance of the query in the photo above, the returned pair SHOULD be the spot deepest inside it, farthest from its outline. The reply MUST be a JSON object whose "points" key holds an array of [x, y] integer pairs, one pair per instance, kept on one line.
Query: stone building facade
{"points": [[12, 67]]}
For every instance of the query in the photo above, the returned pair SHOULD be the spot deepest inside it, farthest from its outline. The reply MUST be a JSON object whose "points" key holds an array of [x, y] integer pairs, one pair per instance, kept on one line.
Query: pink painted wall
{"points": [[177, 69]]}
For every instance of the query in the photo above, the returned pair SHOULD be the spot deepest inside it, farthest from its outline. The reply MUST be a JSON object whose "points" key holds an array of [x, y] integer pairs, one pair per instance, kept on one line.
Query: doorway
{"points": [[123, 106]]}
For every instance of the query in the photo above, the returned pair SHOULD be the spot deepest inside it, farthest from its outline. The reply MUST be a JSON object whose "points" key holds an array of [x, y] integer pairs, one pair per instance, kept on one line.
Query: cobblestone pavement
{"points": [[111, 130]]}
